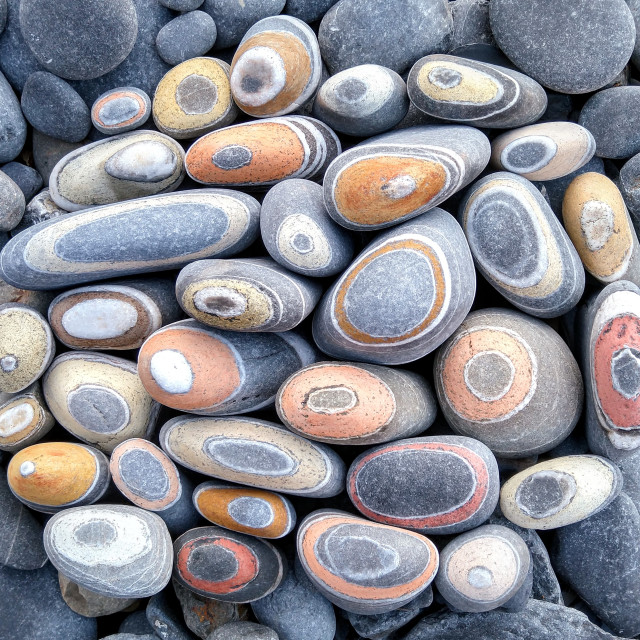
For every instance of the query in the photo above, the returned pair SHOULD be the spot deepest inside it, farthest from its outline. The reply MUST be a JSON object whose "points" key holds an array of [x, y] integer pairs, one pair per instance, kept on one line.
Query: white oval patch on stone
{"points": [[146, 161], [16, 419], [220, 301], [99, 319], [258, 76], [596, 221], [251, 512], [171, 371]]}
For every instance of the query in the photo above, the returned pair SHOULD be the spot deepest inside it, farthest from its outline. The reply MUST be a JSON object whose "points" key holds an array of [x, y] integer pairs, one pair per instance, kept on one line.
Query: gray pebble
{"points": [[12, 203], [629, 185], [27, 178], [13, 128], [3, 15], [40, 209], [243, 631], [88, 603], [181, 5], [308, 10], [165, 619], [131, 636], [47, 152], [188, 36], [136, 623], [470, 23]]}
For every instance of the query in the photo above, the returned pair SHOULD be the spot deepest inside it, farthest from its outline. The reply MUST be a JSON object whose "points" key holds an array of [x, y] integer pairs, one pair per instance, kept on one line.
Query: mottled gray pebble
{"points": [[308, 10], [13, 128], [48, 151], [163, 614], [40, 209], [136, 623], [12, 203], [243, 631], [470, 23], [188, 36], [27, 178], [181, 5]]}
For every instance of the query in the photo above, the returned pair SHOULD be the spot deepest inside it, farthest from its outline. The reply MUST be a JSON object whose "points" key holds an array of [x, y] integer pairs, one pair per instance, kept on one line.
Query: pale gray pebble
{"points": [[13, 128], [47, 151], [308, 10], [136, 623], [181, 5], [470, 23], [243, 631], [39, 209], [188, 36], [27, 178], [12, 203]]}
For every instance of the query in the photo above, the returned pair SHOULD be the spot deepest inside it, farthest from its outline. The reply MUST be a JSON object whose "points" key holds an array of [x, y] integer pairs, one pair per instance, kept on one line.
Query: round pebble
{"points": [[13, 128], [12, 203], [120, 110], [189, 35], [29, 181], [39, 209], [243, 631], [90, 604]]}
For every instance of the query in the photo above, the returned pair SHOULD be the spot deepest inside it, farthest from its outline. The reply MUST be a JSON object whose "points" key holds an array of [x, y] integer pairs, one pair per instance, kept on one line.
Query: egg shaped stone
{"points": [[361, 566], [50, 476], [254, 452], [120, 110], [252, 511]]}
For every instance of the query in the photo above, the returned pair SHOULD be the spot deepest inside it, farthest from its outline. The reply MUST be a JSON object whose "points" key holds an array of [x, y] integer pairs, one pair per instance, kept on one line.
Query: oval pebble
{"points": [[254, 452], [189, 35], [362, 566], [510, 381], [397, 301], [225, 565], [28, 179], [252, 511], [50, 476], [629, 184], [12, 203], [355, 403], [120, 110], [520, 247], [13, 127]]}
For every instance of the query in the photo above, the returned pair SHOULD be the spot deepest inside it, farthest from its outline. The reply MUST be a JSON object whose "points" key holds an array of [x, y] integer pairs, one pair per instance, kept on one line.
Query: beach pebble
{"points": [[120, 110], [164, 616], [308, 10], [470, 23], [13, 128], [12, 203], [39, 209], [189, 35], [136, 623], [38, 300], [181, 5], [29, 181], [243, 631], [47, 152], [89, 603], [629, 184], [3, 15], [254, 452], [510, 381]]}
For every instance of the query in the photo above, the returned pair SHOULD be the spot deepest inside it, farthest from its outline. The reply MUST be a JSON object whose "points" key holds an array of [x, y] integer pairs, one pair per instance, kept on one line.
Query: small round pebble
{"points": [[243, 631], [13, 127], [27, 178], [12, 203], [120, 110], [189, 35]]}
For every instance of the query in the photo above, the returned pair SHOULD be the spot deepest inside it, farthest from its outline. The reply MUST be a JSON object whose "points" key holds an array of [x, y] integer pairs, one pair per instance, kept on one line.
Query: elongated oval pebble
{"points": [[254, 452], [510, 381], [149, 234], [399, 175], [131, 165], [114, 550], [99, 398], [483, 569], [355, 403], [194, 98], [402, 297], [520, 247], [27, 346], [248, 294], [120, 110], [50, 476], [559, 492], [225, 565], [473, 92], [252, 511], [362, 566], [194, 368], [260, 154], [438, 484]]}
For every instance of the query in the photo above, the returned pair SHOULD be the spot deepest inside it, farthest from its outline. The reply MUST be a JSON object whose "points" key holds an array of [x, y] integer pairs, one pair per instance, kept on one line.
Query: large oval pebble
{"points": [[120, 110], [24, 418]]}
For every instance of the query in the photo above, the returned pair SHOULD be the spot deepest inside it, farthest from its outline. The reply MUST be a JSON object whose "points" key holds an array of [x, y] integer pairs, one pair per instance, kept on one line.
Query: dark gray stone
{"points": [[131, 636], [243, 631], [188, 36], [48, 151], [13, 128], [12, 203], [3, 15], [470, 23], [136, 623], [164, 617], [629, 185], [308, 10], [28, 179]]}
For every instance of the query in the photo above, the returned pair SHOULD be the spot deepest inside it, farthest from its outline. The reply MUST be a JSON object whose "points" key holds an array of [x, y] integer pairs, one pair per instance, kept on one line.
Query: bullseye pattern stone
{"points": [[120, 110], [99, 398], [397, 301], [399, 175], [499, 374], [361, 566], [12, 203], [254, 452], [225, 565], [52, 476], [438, 485], [520, 247], [355, 403]]}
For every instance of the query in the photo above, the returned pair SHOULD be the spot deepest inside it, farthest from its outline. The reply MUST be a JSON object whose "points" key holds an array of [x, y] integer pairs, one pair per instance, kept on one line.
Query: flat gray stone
{"points": [[188, 36], [243, 631]]}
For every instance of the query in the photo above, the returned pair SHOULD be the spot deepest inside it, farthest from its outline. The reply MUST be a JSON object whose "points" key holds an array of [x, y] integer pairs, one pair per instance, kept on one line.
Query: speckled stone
{"points": [[629, 184], [12, 203], [39, 209], [470, 23], [510, 381], [308, 10], [3, 15], [243, 631], [16, 59], [149, 234], [254, 452], [189, 35], [47, 152], [29, 181], [51, 476], [181, 5], [520, 247], [163, 614], [120, 110], [13, 128], [362, 318], [89, 603], [131, 636]]}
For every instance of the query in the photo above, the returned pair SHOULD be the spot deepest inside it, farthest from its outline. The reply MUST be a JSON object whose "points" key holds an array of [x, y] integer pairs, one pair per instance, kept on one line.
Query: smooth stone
{"points": [[243, 631], [475, 93], [634, 7], [181, 5], [262, 153], [567, 46], [520, 247], [27, 346], [362, 318], [189, 35], [255, 453], [629, 184], [361, 566], [308, 10], [131, 636], [29, 181], [350, 403], [12, 203], [399, 175], [13, 128], [226, 565], [88, 603], [38, 300], [136, 623], [356, 32], [120, 110], [131, 165], [510, 381], [276, 68], [437, 485], [149, 234], [47, 152], [251, 511], [51, 476], [164, 616], [471, 23], [3, 15], [39, 209], [299, 234], [114, 316]]}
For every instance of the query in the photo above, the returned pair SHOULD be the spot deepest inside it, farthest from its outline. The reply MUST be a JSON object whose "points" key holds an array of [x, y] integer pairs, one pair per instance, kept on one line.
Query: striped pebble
{"points": [[402, 297], [399, 175], [194, 98], [248, 294], [276, 67], [520, 247], [131, 165], [50, 476], [150, 234], [99, 398], [559, 492], [361, 566], [252, 511], [544, 151], [114, 550], [438, 485], [510, 381], [254, 452], [355, 403], [194, 368], [261, 153], [120, 110]]}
